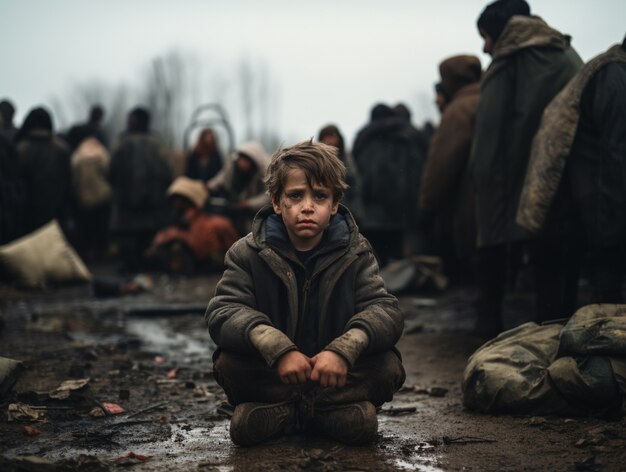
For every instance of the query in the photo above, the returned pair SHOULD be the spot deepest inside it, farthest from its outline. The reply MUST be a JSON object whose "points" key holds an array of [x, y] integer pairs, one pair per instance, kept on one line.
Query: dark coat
{"points": [[140, 174], [446, 184], [11, 193], [597, 165], [531, 64], [578, 160], [388, 158], [196, 169], [344, 290], [46, 174]]}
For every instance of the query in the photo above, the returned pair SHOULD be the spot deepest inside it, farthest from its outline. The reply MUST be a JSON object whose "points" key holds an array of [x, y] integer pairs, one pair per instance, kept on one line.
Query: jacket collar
{"points": [[527, 31], [268, 230]]}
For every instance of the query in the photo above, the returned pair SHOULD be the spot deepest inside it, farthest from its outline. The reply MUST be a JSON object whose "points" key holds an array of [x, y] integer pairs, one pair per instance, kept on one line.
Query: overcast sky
{"points": [[331, 60]]}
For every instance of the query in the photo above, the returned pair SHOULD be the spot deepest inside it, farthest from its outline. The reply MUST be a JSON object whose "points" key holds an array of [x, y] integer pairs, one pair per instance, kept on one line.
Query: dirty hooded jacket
{"points": [[531, 63], [265, 283], [446, 183]]}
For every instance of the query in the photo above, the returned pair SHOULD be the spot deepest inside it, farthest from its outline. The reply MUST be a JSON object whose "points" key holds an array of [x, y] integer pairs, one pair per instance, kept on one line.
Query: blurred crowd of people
{"points": [[502, 195]]}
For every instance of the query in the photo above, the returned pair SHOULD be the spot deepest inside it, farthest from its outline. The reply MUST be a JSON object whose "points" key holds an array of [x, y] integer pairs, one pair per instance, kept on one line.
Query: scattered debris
{"points": [[466, 440], [31, 431], [24, 412], [172, 373], [159, 360], [113, 408], [131, 459], [432, 391], [537, 421], [148, 409], [398, 411], [67, 388], [10, 370], [97, 412]]}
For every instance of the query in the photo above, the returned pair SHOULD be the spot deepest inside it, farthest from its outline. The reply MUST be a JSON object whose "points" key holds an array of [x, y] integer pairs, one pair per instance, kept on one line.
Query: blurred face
{"points": [[331, 140], [208, 139], [305, 210], [244, 164], [441, 102], [488, 46]]}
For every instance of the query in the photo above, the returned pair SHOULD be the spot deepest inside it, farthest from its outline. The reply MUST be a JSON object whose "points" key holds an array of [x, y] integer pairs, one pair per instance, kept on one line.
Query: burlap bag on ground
{"points": [[509, 374], [43, 257], [595, 330], [588, 384], [598, 330]]}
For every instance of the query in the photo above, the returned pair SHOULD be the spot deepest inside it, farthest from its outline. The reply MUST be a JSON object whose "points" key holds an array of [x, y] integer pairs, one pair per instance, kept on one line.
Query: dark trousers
{"points": [[245, 378], [606, 273], [555, 269]]}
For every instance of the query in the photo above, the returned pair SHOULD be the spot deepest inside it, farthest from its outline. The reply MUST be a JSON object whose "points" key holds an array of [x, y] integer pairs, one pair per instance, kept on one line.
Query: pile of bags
{"points": [[574, 369]]}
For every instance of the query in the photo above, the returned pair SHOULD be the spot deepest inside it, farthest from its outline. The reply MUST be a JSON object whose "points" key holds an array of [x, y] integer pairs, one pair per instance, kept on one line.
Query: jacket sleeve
{"points": [[447, 157], [377, 311], [232, 312]]}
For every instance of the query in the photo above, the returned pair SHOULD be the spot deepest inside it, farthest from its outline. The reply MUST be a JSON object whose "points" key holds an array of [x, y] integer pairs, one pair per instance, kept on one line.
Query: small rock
{"points": [[537, 421]]}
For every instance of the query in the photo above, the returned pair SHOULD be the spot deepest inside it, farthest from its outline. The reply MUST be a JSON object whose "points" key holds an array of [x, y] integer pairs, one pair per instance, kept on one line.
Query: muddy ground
{"points": [[157, 367]]}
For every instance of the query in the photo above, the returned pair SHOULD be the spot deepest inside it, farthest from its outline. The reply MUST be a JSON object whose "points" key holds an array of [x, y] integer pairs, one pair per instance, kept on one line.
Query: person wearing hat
{"points": [[531, 63], [445, 190], [194, 240]]}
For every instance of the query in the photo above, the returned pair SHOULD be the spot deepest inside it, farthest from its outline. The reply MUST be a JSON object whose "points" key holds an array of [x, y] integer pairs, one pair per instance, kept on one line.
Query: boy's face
{"points": [[305, 210]]}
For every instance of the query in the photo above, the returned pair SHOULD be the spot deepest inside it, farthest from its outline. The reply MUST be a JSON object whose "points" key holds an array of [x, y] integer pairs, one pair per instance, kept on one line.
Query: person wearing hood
{"points": [[44, 164], [445, 190], [531, 63], [240, 182], [579, 157]]}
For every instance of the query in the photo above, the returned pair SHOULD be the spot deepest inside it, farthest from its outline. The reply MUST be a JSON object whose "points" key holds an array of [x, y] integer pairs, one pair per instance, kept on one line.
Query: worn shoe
{"points": [[350, 423], [253, 423]]}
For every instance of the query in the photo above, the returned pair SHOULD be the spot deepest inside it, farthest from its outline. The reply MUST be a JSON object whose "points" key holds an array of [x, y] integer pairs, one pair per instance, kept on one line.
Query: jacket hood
{"points": [[528, 31], [256, 152], [457, 72], [342, 226]]}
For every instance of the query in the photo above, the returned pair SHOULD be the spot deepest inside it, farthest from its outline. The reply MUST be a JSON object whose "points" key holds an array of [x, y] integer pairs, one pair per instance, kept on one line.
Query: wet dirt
{"points": [[158, 369]]}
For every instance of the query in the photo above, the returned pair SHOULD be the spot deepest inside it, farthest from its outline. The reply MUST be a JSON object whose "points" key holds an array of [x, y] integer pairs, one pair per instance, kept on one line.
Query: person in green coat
{"points": [[531, 63]]}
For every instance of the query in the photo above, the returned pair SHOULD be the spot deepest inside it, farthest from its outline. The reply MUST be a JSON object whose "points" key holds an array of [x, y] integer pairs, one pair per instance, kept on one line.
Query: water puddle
{"points": [[158, 336]]}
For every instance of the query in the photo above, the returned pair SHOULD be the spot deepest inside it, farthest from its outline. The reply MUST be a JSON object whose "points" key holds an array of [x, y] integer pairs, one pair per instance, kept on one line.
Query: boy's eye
{"points": [[294, 195], [321, 195]]}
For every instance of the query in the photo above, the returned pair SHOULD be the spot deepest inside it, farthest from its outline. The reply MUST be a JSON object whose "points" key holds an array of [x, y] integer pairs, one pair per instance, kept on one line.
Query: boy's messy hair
{"points": [[319, 162]]}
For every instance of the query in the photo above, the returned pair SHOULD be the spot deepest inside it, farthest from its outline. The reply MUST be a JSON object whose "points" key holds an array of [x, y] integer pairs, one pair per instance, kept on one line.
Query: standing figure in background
{"points": [[389, 160], [96, 115], [331, 135], [11, 193], [446, 191], [579, 157], [205, 160], [140, 175], [531, 63], [7, 128], [44, 163], [91, 192], [241, 184]]}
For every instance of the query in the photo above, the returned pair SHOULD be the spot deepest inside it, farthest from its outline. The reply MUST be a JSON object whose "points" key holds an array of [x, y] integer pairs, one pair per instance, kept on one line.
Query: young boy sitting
{"points": [[304, 326]]}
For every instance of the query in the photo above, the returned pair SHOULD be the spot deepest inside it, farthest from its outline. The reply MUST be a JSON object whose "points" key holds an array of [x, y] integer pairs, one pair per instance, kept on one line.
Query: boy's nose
{"points": [[307, 204]]}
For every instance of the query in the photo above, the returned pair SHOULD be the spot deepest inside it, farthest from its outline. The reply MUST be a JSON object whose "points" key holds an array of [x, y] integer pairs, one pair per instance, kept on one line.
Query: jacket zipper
{"points": [[305, 302]]}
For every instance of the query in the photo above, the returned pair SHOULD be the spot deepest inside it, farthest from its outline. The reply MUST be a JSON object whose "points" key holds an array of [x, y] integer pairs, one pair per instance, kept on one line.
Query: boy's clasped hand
{"points": [[327, 368]]}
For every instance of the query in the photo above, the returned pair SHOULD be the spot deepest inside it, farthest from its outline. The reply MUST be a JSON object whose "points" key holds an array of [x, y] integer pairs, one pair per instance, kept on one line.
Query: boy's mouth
{"points": [[306, 222]]}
